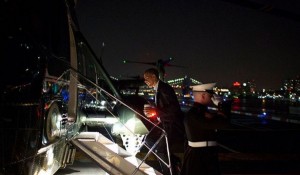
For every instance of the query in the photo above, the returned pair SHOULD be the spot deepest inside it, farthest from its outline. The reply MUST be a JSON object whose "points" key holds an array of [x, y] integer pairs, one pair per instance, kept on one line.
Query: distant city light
{"points": [[236, 84]]}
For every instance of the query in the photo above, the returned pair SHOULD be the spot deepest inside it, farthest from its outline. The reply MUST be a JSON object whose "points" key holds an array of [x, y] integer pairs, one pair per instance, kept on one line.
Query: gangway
{"points": [[110, 156], [97, 107]]}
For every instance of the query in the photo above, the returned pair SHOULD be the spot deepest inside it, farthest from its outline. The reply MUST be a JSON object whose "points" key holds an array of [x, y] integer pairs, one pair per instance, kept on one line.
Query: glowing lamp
{"points": [[152, 114]]}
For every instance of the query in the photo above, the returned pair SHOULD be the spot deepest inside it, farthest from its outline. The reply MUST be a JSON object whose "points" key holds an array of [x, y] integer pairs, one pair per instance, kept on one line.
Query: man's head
{"points": [[151, 77], [203, 93]]}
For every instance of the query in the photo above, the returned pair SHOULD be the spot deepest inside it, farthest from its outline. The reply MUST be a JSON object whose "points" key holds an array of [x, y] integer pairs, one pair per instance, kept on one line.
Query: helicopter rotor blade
{"points": [[172, 65], [139, 62], [160, 63]]}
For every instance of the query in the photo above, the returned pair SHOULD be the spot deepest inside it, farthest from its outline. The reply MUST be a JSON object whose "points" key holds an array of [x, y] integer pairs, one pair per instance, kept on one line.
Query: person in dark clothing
{"points": [[201, 125], [169, 113]]}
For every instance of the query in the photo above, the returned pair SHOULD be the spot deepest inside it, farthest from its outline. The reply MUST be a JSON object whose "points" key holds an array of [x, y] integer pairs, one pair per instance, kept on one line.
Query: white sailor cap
{"points": [[208, 87]]}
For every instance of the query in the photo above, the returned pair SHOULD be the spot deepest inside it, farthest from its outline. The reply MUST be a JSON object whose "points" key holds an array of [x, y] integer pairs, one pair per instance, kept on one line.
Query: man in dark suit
{"points": [[168, 112]]}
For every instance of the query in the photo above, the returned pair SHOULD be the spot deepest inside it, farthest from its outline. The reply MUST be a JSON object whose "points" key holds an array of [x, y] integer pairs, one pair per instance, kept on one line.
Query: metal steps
{"points": [[110, 156]]}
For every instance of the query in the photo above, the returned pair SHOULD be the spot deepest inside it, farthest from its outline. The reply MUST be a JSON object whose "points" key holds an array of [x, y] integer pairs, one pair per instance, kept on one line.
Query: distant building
{"points": [[292, 85], [243, 90], [291, 89]]}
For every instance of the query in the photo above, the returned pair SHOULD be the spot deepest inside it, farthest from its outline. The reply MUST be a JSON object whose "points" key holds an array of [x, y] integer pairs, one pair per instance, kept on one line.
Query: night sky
{"points": [[217, 41]]}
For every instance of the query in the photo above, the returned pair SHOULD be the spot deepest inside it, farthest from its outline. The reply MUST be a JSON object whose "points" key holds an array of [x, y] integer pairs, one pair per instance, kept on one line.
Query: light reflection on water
{"points": [[260, 105], [266, 108], [263, 108]]}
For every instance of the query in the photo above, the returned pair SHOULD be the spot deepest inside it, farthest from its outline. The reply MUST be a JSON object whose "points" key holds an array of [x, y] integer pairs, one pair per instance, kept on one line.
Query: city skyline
{"points": [[216, 41], [240, 82]]}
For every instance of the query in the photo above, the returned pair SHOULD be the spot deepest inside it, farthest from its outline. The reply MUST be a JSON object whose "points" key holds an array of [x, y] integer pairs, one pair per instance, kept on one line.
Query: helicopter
{"points": [[53, 88]]}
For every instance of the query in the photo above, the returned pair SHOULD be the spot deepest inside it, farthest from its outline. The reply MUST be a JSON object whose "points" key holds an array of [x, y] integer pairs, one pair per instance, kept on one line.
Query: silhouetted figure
{"points": [[169, 113]]}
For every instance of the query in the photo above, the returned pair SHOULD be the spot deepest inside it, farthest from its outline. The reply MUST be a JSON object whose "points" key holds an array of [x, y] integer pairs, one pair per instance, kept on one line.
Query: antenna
{"points": [[101, 52]]}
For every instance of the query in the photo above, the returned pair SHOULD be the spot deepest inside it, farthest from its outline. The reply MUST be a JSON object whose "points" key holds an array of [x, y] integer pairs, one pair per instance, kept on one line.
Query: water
{"points": [[273, 109], [260, 106], [281, 110]]}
